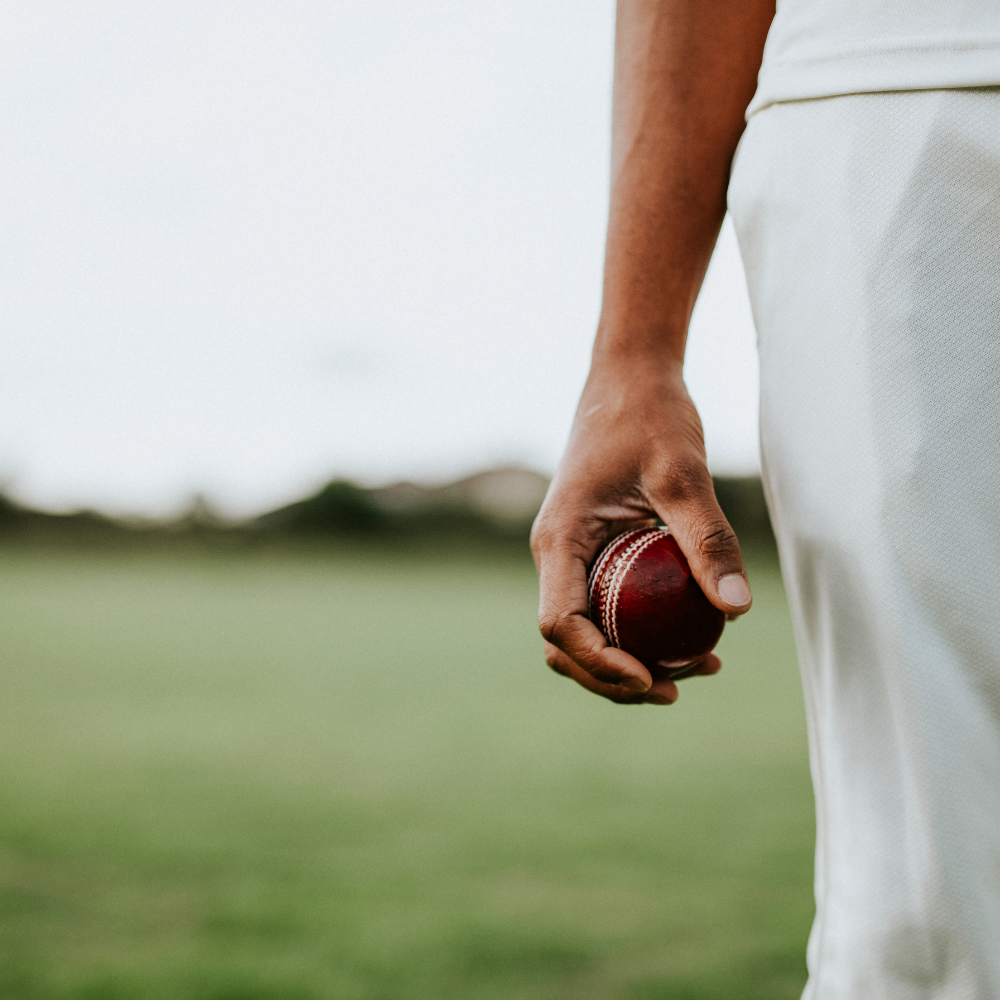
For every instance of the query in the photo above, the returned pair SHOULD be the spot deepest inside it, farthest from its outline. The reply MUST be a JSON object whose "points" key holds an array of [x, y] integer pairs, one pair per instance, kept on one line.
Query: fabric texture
{"points": [[870, 231], [825, 48]]}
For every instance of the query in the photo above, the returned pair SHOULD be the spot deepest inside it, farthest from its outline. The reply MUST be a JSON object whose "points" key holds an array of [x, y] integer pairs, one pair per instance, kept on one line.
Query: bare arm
{"points": [[685, 71]]}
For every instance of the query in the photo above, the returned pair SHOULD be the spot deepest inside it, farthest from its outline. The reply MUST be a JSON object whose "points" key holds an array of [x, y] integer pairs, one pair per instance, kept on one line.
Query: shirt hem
{"points": [[877, 72]]}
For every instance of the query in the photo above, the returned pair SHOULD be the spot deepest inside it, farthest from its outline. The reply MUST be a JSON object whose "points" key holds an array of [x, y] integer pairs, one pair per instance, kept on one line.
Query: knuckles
{"points": [[684, 485], [551, 628], [559, 663], [603, 683], [574, 537], [681, 479], [715, 538]]}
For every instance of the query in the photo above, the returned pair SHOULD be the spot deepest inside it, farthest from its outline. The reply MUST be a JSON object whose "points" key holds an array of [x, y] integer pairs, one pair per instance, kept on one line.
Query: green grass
{"points": [[284, 778]]}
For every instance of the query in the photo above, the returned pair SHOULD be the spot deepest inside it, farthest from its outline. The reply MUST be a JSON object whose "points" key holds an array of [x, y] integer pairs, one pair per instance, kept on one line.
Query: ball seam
{"points": [[607, 588], [610, 551], [626, 562]]}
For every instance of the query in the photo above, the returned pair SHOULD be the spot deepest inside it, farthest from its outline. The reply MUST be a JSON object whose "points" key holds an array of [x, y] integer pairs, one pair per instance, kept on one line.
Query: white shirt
{"points": [[823, 48]]}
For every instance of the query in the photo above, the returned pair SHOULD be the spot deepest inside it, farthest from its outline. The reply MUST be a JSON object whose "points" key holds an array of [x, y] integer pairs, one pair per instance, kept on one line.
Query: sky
{"points": [[249, 246]]}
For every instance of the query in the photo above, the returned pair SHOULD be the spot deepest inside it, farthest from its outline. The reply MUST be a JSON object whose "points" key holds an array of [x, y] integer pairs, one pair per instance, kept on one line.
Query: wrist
{"points": [[639, 353], [622, 386], [644, 326]]}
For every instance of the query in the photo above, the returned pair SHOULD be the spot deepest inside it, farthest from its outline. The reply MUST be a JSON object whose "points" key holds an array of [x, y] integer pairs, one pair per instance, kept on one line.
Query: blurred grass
{"points": [[285, 778]]}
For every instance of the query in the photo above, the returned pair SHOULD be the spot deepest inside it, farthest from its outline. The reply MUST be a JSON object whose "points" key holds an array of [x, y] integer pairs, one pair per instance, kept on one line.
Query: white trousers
{"points": [[870, 231]]}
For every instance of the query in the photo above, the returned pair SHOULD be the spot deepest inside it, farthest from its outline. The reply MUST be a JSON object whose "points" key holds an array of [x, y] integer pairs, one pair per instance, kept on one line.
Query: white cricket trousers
{"points": [[870, 230]]}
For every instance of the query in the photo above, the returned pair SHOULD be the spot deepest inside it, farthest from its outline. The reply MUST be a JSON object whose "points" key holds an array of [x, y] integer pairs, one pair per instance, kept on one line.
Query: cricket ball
{"points": [[644, 599]]}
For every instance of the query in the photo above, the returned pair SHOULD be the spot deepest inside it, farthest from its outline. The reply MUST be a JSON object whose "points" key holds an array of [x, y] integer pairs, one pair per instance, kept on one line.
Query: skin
{"points": [[685, 71]]}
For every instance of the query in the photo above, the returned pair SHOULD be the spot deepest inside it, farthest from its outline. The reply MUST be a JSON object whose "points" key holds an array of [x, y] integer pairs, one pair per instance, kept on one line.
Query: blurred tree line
{"points": [[491, 510]]}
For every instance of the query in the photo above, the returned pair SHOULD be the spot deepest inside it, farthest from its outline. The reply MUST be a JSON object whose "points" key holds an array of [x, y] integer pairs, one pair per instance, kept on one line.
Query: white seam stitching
{"points": [[611, 602], [624, 565], [607, 611], [644, 544], [615, 546]]}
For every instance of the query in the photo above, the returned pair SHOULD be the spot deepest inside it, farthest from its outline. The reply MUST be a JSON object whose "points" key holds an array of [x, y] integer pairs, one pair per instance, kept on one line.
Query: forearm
{"points": [[685, 71]]}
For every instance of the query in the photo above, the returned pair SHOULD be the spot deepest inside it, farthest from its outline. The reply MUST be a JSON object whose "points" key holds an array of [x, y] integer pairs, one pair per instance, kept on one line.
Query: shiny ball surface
{"points": [[644, 599]]}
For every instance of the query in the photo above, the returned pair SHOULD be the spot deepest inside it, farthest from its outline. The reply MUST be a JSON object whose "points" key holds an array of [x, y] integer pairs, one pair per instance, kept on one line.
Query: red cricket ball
{"points": [[645, 601]]}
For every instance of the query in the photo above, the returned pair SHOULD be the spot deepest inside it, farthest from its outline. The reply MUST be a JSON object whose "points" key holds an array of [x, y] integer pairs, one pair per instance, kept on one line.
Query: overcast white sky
{"points": [[248, 246]]}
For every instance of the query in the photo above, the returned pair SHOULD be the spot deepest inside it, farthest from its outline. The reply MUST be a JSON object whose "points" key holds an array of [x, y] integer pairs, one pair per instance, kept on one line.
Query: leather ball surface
{"points": [[644, 599]]}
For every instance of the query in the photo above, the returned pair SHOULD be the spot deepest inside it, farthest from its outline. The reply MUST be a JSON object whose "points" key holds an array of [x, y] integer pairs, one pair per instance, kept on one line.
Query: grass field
{"points": [[292, 778]]}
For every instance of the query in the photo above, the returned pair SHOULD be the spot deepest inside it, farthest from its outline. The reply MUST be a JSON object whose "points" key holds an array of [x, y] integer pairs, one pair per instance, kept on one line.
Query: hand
{"points": [[636, 452]]}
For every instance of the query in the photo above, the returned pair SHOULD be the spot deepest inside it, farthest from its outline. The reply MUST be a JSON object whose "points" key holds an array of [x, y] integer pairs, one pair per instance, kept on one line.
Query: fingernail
{"points": [[733, 590]]}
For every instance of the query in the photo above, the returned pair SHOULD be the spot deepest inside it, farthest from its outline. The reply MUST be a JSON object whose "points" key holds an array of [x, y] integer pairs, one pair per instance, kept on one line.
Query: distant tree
{"points": [[340, 508], [11, 513]]}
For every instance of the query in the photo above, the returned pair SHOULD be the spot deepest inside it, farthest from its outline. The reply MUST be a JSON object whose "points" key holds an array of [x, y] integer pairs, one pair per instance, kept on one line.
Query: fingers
{"points": [[705, 667], [685, 499], [661, 691], [564, 624], [709, 666]]}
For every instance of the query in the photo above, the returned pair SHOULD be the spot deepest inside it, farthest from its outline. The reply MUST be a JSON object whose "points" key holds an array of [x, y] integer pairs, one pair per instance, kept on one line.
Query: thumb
{"points": [[705, 537]]}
